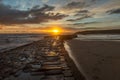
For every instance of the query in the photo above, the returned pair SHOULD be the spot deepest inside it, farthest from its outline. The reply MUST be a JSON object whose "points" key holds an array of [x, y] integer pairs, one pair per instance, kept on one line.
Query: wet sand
{"points": [[97, 60]]}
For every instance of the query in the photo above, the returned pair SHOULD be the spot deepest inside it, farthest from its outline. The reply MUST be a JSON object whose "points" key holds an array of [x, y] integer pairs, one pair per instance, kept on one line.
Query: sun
{"points": [[55, 31]]}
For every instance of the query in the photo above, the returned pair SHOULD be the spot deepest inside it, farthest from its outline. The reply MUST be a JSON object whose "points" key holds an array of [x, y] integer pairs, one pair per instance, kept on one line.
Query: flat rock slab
{"points": [[54, 77], [18, 73], [50, 68], [51, 63], [69, 78], [53, 72], [39, 77], [37, 73], [65, 68], [36, 66], [64, 64], [52, 58], [67, 73]]}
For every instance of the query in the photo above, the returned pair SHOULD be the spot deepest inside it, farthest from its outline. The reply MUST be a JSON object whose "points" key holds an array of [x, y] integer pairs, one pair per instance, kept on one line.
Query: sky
{"points": [[35, 16]]}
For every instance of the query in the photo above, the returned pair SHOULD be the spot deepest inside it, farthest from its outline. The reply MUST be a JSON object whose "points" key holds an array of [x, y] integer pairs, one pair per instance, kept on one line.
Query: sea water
{"points": [[9, 41], [112, 37]]}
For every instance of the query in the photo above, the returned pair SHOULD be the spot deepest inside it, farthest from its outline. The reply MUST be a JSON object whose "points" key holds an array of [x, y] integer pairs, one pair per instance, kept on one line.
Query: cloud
{"points": [[81, 12], [74, 5], [45, 1], [94, 1], [34, 15], [45, 8], [79, 4], [80, 18], [7, 14], [86, 23], [114, 11]]}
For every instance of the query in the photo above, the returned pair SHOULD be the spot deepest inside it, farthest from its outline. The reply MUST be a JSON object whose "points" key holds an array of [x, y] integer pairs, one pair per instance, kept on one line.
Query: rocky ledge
{"points": [[40, 60]]}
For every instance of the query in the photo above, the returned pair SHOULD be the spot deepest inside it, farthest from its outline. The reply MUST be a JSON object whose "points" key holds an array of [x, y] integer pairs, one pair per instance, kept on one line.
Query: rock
{"points": [[53, 72], [62, 58], [65, 68], [52, 58], [54, 77], [37, 73], [51, 63], [67, 73], [36, 66], [37, 77], [10, 78], [64, 65], [51, 68], [69, 78], [52, 54], [1, 78], [18, 73]]}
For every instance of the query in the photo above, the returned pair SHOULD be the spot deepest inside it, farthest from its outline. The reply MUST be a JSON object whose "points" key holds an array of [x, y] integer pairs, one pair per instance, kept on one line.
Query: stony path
{"points": [[41, 60]]}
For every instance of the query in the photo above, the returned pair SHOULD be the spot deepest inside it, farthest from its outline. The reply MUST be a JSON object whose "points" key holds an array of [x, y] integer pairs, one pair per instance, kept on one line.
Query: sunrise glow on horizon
{"points": [[35, 16]]}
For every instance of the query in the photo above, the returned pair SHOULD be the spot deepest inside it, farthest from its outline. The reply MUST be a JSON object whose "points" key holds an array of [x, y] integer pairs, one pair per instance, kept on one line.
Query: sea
{"points": [[10, 41], [104, 37]]}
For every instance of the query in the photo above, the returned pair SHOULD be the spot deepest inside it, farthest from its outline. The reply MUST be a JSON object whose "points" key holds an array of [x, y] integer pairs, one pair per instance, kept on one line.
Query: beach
{"points": [[96, 60]]}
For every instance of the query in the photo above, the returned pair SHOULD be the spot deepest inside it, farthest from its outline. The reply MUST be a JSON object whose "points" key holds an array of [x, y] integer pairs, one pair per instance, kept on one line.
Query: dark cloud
{"points": [[34, 15], [81, 12], [36, 7], [80, 18], [86, 23], [74, 5], [43, 9], [114, 11], [93, 0], [80, 4], [7, 14]]}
